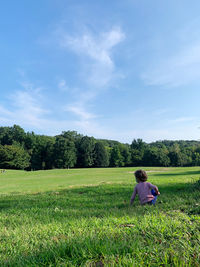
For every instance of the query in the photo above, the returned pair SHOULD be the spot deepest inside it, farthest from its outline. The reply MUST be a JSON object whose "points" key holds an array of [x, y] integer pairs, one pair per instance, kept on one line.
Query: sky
{"points": [[117, 69]]}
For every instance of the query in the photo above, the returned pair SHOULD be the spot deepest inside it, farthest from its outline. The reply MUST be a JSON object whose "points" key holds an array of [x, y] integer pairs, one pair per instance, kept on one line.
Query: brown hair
{"points": [[141, 176]]}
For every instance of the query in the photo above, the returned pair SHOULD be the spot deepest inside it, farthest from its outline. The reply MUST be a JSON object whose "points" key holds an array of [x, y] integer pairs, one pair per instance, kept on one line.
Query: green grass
{"points": [[82, 217]]}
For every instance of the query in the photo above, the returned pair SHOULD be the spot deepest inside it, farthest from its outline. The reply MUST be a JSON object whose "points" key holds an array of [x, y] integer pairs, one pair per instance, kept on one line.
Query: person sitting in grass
{"points": [[146, 191]]}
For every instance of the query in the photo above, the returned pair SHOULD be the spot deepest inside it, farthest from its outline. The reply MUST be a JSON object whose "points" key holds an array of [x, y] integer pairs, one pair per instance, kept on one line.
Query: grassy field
{"points": [[82, 217]]}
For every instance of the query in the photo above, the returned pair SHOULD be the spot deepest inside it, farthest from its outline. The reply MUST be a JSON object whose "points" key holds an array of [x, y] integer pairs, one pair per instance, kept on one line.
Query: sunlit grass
{"points": [[82, 217]]}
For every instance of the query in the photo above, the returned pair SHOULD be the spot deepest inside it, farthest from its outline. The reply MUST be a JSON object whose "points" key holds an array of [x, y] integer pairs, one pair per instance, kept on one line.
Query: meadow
{"points": [[82, 217]]}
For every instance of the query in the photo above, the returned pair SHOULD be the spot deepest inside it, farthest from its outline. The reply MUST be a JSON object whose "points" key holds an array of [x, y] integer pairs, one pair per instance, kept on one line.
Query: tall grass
{"points": [[92, 224]]}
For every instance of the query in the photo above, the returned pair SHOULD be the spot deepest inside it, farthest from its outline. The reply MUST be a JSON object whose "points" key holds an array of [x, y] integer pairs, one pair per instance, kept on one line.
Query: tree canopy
{"points": [[29, 151]]}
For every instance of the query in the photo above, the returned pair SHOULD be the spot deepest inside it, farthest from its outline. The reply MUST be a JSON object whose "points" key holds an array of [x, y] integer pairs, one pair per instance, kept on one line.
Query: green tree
{"points": [[30, 141], [42, 152], [9, 135], [138, 148], [86, 151], [116, 159], [14, 157], [154, 156], [196, 159], [126, 154], [72, 136], [137, 157], [48, 156], [101, 158], [64, 152], [178, 157], [138, 144], [5, 136], [18, 134]]}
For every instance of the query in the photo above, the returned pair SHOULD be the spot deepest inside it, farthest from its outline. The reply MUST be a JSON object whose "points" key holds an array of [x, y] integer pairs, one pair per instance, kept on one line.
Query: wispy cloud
{"points": [[80, 112], [27, 109], [24, 107], [181, 68], [5, 112], [98, 47], [62, 85], [96, 51], [97, 67], [182, 119]]}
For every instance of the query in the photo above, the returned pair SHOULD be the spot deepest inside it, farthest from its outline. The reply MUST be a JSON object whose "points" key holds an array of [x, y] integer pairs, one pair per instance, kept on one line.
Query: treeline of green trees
{"points": [[29, 151]]}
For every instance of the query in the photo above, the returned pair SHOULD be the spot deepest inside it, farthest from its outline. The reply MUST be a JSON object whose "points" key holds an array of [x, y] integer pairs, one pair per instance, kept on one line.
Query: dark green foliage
{"points": [[64, 152], [101, 157], [136, 157], [86, 151], [14, 157], [109, 143], [42, 153], [49, 153], [181, 143], [30, 140], [8, 135], [138, 148], [116, 159], [72, 135], [196, 159], [125, 152], [138, 144], [179, 157], [156, 157], [70, 149]]}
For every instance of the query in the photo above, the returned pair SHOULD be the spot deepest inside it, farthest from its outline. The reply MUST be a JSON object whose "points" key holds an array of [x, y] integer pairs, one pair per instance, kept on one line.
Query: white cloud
{"points": [[80, 112], [97, 65], [180, 69], [97, 48], [62, 85], [86, 121], [28, 113], [97, 70], [5, 112], [29, 87], [27, 107], [183, 119], [24, 107]]}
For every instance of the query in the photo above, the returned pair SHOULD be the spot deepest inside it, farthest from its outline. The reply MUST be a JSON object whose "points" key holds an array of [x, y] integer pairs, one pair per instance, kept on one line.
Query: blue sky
{"points": [[117, 69]]}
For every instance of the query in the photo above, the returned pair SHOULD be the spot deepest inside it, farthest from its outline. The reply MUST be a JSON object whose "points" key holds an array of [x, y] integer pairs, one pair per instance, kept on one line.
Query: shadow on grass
{"points": [[68, 207], [100, 250], [91, 201], [180, 173], [101, 201]]}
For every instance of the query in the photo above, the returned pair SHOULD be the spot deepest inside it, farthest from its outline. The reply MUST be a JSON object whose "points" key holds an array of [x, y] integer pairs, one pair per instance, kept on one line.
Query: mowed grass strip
{"points": [[40, 181], [93, 224]]}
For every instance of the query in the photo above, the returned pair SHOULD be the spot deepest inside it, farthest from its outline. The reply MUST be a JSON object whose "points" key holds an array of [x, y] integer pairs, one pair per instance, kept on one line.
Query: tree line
{"points": [[30, 151]]}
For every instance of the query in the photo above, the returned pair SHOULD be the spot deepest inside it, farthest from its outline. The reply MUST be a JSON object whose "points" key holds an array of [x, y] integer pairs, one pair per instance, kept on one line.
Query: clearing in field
{"points": [[82, 217]]}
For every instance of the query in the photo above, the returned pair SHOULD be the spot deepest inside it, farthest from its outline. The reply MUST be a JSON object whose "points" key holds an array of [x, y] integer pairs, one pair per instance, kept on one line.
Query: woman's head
{"points": [[140, 176]]}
